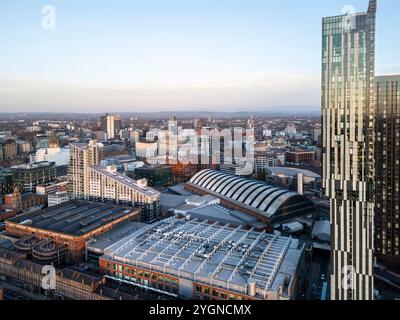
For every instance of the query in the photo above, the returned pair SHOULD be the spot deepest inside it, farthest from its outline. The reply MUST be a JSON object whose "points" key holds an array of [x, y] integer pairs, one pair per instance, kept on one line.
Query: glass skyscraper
{"points": [[348, 78], [387, 211]]}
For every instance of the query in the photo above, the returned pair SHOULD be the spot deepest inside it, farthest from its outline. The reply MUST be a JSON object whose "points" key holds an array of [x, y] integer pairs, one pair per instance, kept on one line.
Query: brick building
{"points": [[70, 225]]}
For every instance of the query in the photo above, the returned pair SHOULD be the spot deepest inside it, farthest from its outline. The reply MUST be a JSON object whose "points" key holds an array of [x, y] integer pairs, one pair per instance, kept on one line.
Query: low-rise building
{"points": [[194, 259], [69, 226], [300, 156], [56, 198], [24, 202]]}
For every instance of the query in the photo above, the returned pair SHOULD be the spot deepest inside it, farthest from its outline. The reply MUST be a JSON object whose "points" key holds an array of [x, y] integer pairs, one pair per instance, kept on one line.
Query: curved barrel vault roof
{"points": [[256, 195]]}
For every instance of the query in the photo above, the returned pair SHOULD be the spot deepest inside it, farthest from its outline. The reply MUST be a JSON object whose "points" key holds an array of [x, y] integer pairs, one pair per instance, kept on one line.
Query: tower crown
{"points": [[372, 6]]}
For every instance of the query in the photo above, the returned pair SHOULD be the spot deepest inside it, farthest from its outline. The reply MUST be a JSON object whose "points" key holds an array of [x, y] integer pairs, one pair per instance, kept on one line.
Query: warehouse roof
{"points": [[73, 217]]}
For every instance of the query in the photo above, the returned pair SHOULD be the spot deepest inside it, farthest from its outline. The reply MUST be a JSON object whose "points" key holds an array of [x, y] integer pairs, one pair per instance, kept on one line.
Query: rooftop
{"points": [[225, 257], [125, 180], [33, 165], [254, 195], [73, 217], [292, 172], [99, 243]]}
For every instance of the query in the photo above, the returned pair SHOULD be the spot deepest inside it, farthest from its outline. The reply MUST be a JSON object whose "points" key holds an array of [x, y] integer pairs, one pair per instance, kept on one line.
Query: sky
{"points": [[173, 55]]}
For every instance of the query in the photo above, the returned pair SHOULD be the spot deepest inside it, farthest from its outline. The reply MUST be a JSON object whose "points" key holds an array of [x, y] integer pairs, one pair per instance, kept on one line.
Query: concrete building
{"points": [[8, 149], [300, 156], [110, 124], [146, 149], [56, 198], [105, 184], [81, 157], [90, 181], [45, 189]]}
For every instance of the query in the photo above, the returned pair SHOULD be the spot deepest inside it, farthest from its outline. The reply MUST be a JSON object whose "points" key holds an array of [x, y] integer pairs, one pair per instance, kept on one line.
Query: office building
{"points": [[110, 124], [387, 211], [28, 176], [263, 160], [156, 175], [348, 77]]}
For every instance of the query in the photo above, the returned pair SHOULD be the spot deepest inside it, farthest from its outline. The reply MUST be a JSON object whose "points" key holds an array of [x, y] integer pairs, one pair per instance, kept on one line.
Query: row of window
{"points": [[207, 293], [138, 273]]}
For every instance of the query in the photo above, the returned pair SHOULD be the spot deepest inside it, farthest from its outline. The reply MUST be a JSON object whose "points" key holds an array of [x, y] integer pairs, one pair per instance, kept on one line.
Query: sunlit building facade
{"points": [[348, 111]]}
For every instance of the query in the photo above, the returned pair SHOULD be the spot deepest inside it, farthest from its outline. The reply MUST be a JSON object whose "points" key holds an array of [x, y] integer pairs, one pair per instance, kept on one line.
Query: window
{"points": [[215, 293], [223, 295], [198, 288]]}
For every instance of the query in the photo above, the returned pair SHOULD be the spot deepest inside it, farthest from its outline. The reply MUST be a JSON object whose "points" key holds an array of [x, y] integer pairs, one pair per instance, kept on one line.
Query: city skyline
{"points": [[171, 58]]}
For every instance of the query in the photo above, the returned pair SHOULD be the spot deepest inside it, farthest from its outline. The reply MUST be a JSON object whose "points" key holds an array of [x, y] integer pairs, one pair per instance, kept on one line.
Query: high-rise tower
{"points": [[387, 150], [348, 77], [82, 156]]}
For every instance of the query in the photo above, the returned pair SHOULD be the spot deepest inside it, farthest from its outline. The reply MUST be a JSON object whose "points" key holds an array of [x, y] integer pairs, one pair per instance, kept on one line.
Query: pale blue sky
{"points": [[152, 55]]}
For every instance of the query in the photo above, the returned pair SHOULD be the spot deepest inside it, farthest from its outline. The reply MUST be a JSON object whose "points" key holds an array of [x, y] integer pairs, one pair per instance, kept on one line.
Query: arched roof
{"points": [[259, 196]]}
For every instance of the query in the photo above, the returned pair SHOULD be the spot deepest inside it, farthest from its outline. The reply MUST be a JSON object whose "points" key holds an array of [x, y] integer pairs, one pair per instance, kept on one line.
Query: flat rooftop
{"points": [[34, 165], [210, 253], [292, 172], [73, 217], [99, 243]]}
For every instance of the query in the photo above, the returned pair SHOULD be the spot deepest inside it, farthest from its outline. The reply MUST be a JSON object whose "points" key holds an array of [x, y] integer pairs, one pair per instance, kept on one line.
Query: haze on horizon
{"points": [[136, 56]]}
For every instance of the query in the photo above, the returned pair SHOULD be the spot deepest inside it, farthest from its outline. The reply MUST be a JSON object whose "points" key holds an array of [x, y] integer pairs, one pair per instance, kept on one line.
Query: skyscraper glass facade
{"points": [[348, 75], [387, 211]]}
